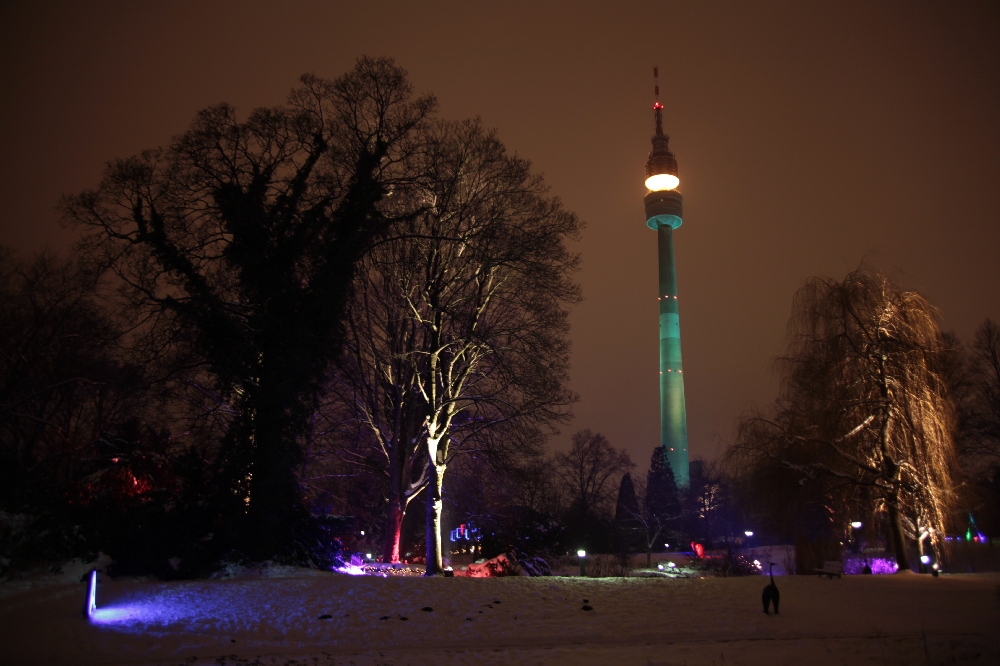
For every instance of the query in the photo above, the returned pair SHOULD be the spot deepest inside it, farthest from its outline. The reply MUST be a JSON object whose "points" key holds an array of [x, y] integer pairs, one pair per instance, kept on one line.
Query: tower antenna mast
{"points": [[657, 107]]}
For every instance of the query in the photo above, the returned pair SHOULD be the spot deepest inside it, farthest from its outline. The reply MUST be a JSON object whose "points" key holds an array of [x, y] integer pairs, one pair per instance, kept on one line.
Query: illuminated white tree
{"points": [[459, 334]]}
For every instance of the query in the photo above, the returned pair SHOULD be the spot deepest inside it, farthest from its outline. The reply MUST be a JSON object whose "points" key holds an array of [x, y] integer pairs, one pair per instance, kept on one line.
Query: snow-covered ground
{"points": [[309, 617]]}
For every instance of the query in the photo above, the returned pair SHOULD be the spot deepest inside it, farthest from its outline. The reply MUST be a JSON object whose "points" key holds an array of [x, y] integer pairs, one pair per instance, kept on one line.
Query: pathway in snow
{"points": [[318, 618]]}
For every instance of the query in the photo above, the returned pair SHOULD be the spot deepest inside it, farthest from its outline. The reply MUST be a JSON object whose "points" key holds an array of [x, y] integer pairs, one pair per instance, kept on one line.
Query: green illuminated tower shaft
{"points": [[664, 213]]}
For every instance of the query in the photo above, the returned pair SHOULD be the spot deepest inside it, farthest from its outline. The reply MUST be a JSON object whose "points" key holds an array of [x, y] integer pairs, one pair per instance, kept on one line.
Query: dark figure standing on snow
{"points": [[770, 593]]}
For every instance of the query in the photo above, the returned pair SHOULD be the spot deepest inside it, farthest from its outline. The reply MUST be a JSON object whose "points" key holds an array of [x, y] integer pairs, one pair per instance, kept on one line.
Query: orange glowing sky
{"points": [[810, 136]]}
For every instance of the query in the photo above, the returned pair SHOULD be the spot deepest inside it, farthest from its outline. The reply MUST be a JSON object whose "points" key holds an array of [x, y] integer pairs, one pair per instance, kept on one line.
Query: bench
{"points": [[830, 569]]}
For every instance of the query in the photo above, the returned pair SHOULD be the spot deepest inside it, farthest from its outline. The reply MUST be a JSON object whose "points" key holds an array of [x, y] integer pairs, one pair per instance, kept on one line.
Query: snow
{"points": [[273, 617]]}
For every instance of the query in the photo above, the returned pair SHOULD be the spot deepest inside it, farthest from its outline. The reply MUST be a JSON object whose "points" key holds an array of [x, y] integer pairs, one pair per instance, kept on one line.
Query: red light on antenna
{"points": [[657, 106]]}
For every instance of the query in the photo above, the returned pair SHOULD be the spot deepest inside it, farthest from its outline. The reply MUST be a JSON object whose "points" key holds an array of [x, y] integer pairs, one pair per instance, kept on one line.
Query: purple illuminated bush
{"points": [[879, 565]]}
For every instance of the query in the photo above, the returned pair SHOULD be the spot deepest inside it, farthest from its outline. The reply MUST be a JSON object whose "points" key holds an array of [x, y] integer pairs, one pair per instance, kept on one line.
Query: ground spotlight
{"points": [[90, 603]]}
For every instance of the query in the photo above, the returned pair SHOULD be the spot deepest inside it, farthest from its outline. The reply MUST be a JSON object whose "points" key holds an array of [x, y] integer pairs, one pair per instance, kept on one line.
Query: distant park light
{"points": [[926, 559], [856, 524], [748, 533], [581, 553]]}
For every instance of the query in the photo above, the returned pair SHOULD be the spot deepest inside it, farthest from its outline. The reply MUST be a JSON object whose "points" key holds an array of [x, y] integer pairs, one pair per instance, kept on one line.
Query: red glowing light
{"points": [[657, 106]]}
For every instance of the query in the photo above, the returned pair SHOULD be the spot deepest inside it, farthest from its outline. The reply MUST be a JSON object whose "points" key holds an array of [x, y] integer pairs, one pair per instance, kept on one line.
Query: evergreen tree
{"points": [[662, 500], [627, 507]]}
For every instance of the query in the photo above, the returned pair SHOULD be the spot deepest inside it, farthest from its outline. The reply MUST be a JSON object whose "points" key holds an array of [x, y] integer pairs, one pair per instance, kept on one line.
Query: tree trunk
{"points": [[891, 472], [435, 566], [274, 500], [397, 505], [896, 533], [393, 529]]}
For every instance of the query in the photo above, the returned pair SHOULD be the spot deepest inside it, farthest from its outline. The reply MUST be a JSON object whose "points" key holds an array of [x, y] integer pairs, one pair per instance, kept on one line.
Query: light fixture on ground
{"points": [[664, 210], [90, 601]]}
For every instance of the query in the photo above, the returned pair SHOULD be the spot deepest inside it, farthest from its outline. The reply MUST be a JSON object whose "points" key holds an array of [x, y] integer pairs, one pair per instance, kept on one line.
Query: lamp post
{"points": [[582, 554]]}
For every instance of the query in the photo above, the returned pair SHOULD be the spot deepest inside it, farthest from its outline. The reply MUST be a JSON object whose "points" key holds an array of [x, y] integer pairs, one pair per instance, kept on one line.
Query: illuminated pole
{"points": [[664, 213]]}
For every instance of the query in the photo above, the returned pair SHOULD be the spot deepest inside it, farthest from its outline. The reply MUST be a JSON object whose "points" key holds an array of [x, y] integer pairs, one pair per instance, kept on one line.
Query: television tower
{"points": [[664, 213]]}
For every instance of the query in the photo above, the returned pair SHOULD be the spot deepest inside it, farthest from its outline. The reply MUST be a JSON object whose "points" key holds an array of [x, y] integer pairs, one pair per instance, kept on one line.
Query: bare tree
{"points": [[62, 382], [984, 409], [378, 411], [863, 406], [458, 336], [591, 472], [241, 239]]}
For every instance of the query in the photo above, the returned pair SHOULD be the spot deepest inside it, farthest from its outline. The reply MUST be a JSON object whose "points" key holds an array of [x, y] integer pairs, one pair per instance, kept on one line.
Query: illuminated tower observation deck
{"points": [[664, 213]]}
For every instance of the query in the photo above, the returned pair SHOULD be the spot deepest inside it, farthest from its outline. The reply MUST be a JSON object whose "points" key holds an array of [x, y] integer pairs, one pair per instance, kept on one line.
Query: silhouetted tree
{"points": [[241, 239], [62, 383], [663, 502], [707, 504], [590, 472], [627, 506], [984, 378]]}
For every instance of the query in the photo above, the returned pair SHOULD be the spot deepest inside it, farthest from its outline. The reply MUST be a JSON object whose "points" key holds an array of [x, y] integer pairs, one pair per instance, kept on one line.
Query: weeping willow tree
{"points": [[863, 408]]}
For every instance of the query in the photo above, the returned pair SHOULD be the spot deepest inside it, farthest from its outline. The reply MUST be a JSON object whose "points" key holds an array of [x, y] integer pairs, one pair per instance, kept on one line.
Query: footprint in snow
{"points": [[384, 617], [427, 609], [325, 616], [404, 619], [468, 619], [587, 608]]}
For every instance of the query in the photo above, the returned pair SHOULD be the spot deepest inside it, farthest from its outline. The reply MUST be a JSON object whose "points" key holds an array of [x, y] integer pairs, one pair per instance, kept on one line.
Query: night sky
{"points": [[810, 137]]}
